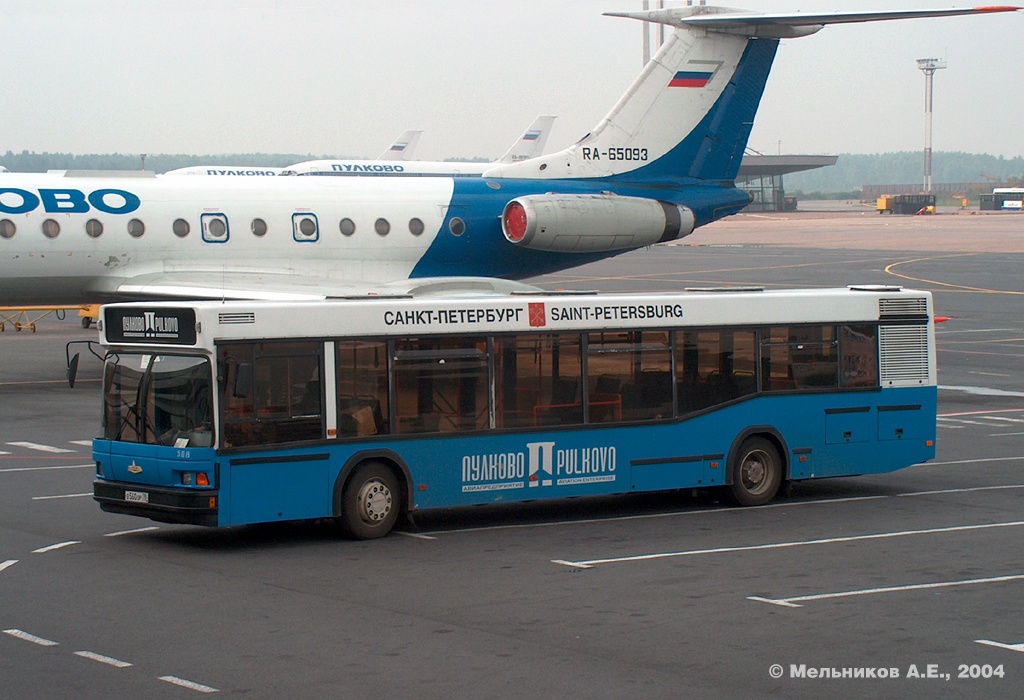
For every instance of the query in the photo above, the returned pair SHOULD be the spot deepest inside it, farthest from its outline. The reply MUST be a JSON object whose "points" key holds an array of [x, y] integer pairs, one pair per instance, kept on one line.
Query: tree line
{"points": [[854, 170]]}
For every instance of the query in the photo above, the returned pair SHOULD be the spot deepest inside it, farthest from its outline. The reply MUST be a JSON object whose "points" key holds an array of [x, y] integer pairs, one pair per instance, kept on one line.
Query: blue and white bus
{"points": [[227, 413]]}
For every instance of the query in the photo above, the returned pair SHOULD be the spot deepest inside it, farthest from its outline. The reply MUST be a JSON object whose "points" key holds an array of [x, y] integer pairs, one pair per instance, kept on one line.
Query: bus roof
{"points": [[203, 323]]}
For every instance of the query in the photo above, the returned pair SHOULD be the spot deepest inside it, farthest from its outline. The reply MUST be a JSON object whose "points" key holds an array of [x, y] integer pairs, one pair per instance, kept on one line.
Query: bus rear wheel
{"points": [[756, 472], [370, 502]]}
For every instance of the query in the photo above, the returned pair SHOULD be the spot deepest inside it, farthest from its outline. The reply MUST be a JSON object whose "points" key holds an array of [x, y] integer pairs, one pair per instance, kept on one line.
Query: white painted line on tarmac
{"points": [[40, 448], [4, 453], [59, 545], [43, 469], [415, 535], [982, 413], [794, 601], [108, 660], [131, 532], [191, 685], [971, 461], [1011, 647], [8, 564], [66, 495], [591, 563], [962, 422], [650, 516], [981, 390], [31, 638], [83, 443], [967, 490]]}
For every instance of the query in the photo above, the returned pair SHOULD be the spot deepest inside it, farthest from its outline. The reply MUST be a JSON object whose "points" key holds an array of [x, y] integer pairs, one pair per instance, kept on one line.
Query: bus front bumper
{"points": [[185, 507]]}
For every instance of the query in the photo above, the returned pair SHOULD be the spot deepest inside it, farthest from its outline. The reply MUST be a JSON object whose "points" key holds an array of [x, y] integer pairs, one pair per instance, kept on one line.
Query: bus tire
{"points": [[755, 471], [371, 502]]}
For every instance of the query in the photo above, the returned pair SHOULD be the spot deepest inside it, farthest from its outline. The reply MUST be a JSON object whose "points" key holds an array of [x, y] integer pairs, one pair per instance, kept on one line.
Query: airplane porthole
{"points": [[347, 227], [259, 227], [51, 229], [181, 228], [7, 228], [307, 227], [136, 228], [415, 226], [93, 228], [217, 228], [457, 226], [382, 227]]}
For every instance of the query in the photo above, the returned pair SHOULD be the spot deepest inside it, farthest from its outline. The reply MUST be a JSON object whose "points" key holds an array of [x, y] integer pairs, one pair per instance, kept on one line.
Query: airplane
{"points": [[661, 163], [401, 149], [396, 160], [529, 145]]}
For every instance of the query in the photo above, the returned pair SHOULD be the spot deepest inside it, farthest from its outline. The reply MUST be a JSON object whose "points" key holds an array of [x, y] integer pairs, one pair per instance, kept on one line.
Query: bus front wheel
{"points": [[756, 472], [370, 502]]}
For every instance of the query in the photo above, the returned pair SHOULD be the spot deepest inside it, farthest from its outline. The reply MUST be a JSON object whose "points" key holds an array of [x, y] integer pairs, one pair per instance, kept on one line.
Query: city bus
{"points": [[363, 409]]}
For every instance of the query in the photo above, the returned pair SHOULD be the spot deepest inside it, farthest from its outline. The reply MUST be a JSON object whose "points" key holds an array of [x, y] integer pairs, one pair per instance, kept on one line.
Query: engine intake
{"points": [[588, 223]]}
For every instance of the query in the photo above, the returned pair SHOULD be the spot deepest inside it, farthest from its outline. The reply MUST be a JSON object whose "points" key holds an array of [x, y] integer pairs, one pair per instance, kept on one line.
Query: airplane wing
{"points": [[787, 25], [272, 286]]}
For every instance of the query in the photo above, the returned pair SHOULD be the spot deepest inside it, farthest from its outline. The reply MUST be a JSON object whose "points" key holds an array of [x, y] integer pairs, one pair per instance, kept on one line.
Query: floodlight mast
{"points": [[928, 66]]}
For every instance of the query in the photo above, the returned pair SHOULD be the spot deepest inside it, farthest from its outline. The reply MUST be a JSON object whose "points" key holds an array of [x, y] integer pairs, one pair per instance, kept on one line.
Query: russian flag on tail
{"points": [[690, 79]]}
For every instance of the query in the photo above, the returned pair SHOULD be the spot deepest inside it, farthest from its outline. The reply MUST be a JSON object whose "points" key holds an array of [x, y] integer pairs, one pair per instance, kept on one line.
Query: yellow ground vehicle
{"points": [[26, 317]]}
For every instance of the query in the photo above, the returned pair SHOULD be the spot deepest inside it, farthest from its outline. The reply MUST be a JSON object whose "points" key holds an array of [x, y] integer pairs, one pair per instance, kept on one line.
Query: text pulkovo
{"points": [[540, 464]]}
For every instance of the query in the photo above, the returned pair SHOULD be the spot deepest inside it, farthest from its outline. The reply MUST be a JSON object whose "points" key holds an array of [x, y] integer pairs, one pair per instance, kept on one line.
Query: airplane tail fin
{"points": [[688, 115], [531, 143], [403, 147]]}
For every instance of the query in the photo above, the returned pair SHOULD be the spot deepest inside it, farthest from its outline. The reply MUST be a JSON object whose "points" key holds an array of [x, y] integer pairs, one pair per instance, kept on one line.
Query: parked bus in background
{"points": [[228, 413]]}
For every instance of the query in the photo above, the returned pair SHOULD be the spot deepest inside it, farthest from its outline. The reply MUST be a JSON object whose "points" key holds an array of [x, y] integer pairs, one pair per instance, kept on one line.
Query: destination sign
{"points": [[164, 326]]}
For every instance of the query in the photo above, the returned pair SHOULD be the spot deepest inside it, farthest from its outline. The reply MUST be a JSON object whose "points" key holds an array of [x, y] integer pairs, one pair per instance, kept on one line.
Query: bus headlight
{"points": [[195, 479]]}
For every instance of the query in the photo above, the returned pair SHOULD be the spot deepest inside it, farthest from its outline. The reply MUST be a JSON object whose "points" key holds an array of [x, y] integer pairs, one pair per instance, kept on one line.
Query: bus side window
{"points": [[362, 388], [799, 357], [441, 384], [714, 367], [858, 356], [630, 376], [275, 393], [537, 380]]}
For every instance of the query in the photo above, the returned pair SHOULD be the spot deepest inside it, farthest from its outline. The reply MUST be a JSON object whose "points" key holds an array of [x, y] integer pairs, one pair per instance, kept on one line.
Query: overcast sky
{"points": [[347, 76]]}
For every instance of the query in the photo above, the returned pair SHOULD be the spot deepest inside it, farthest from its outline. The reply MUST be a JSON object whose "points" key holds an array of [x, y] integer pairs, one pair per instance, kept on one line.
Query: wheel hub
{"points": [[375, 501]]}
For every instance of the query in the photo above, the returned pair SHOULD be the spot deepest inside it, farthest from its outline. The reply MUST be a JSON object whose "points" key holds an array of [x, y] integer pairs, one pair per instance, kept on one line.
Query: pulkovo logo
{"points": [[149, 324], [14, 200], [540, 464]]}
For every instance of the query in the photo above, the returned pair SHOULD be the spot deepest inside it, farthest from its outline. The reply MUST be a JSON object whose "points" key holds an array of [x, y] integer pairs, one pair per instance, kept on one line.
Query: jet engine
{"points": [[589, 223]]}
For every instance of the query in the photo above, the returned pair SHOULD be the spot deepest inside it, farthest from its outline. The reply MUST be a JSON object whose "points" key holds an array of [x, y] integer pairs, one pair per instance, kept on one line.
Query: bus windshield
{"points": [[158, 400]]}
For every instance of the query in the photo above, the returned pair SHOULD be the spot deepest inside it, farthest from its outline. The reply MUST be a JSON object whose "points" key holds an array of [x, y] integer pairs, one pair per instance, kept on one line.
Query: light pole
{"points": [[928, 66]]}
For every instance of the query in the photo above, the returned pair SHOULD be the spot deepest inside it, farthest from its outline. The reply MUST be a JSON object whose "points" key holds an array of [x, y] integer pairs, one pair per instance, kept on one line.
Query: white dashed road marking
{"points": [[108, 660], [1011, 647], [40, 448], [31, 638], [794, 601], [59, 545], [191, 685]]}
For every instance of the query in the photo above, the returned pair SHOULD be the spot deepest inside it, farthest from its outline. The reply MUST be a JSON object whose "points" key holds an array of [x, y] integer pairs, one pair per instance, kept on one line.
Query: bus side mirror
{"points": [[242, 388], [72, 370]]}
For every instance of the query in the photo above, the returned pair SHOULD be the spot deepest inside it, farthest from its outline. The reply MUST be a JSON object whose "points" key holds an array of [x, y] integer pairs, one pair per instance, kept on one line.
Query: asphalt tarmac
{"points": [[904, 585]]}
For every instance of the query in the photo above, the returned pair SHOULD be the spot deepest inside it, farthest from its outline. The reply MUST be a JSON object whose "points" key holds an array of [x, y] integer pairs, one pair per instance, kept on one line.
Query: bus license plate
{"points": [[136, 496]]}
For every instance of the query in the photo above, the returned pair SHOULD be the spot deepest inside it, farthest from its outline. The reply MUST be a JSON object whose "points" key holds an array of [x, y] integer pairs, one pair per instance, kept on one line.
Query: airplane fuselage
{"points": [[66, 239]]}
